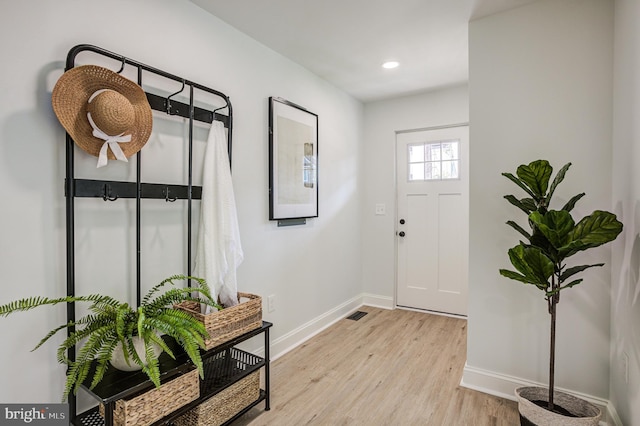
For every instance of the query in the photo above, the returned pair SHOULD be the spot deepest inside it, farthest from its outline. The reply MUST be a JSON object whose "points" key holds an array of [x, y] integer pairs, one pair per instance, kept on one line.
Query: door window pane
{"points": [[434, 160], [450, 169], [433, 171], [416, 153], [416, 171], [450, 151], [433, 152]]}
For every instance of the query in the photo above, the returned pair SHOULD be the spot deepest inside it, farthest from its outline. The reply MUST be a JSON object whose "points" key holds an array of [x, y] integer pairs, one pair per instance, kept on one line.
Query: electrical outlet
{"points": [[381, 209], [625, 367], [271, 303]]}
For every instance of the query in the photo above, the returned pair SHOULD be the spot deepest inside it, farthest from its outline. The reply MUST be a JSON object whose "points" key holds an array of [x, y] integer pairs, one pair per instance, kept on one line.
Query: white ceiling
{"points": [[346, 41]]}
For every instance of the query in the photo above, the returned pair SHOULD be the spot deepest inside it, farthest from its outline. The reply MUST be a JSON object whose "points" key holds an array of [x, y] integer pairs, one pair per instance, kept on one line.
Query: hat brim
{"points": [[70, 97]]}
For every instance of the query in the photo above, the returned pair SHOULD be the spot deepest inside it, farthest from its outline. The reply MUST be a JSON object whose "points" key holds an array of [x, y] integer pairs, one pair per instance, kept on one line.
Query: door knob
{"points": [[401, 233], [401, 221]]}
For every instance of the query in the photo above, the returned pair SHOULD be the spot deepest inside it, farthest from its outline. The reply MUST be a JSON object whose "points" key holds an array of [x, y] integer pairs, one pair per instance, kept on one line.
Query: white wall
{"points": [[625, 290], [311, 269], [382, 119], [540, 87]]}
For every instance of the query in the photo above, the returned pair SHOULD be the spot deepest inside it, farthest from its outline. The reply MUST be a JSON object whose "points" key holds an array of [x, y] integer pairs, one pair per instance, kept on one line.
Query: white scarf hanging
{"points": [[219, 251]]}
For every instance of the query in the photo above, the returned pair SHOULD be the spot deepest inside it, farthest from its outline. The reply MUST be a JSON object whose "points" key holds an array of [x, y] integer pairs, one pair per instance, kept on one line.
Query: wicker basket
{"points": [[228, 323], [148, 407], [224, 405]]}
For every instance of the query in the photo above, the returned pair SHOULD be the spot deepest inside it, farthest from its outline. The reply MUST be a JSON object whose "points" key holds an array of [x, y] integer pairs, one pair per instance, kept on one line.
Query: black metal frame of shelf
{"points": [[110, 190], [225, 347], [117, 385]]}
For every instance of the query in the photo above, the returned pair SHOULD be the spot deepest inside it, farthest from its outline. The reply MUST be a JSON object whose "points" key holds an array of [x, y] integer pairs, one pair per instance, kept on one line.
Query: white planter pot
{"points": [[118, 360], [586, 414]]}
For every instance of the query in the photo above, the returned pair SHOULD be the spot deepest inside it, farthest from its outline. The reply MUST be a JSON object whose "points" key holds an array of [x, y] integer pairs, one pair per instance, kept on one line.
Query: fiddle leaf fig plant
{"points": [[554, 236], [111, 323]]}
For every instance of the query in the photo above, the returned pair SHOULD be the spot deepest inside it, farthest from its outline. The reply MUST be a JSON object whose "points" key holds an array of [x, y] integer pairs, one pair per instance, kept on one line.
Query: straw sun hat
{"points": [[107, 115]]}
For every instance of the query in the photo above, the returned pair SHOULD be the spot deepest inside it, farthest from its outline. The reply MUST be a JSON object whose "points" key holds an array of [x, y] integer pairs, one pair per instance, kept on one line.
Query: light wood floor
{"points": [[389, 368]]}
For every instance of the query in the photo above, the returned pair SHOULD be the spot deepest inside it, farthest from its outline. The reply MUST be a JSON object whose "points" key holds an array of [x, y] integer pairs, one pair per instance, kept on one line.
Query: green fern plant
{"points": [[111, 322]]}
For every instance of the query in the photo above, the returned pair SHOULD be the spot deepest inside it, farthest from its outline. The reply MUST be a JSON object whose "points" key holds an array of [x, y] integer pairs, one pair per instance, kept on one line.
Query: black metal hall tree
{"points": [[110, 190]]}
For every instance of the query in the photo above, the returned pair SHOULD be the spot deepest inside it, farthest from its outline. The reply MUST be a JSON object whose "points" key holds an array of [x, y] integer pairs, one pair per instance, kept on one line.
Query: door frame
{"points": [[395, 213]]}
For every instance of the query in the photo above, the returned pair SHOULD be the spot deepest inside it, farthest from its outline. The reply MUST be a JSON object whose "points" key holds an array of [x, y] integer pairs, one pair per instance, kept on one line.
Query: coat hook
{"points": [[167, 198], [213, 115], [218, 109], [124, 61], [106, 193], [169, 100]]}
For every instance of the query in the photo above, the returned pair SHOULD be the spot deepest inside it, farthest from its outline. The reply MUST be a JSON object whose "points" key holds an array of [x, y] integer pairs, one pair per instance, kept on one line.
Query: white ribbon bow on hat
{"points": [[110, 142]]}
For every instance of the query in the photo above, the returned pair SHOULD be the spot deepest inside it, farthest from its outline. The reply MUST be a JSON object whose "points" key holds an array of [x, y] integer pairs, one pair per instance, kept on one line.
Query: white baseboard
{"points": [[377, 301], [298, 336], [492, 383], [504, 386], [612, 415]]}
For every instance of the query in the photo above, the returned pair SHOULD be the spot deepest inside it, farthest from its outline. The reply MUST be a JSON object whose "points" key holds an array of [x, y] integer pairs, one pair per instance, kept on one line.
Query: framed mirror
{"points": [[293, 161]]}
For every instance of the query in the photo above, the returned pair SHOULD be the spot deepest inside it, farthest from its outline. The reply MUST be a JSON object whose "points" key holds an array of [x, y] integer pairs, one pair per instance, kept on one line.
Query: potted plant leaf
{"points": [[112, 325], [540, 259]]}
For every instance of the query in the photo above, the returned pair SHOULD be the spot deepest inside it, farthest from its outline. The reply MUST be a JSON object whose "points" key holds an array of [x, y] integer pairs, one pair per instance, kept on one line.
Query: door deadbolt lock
{"points": [[402, 222]]}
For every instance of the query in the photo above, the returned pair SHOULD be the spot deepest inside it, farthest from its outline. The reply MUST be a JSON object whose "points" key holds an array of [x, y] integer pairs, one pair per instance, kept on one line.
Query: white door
{"points": [[432, 228]]}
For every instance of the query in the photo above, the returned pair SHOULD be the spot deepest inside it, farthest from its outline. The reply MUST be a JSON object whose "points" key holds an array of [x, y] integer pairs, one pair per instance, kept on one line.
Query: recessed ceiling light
{"points": [[390, 64]]}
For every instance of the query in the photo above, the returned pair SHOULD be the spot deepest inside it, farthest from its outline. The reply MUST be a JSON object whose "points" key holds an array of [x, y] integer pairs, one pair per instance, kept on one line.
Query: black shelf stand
{"points": [[116, 384], [224, 365]]}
